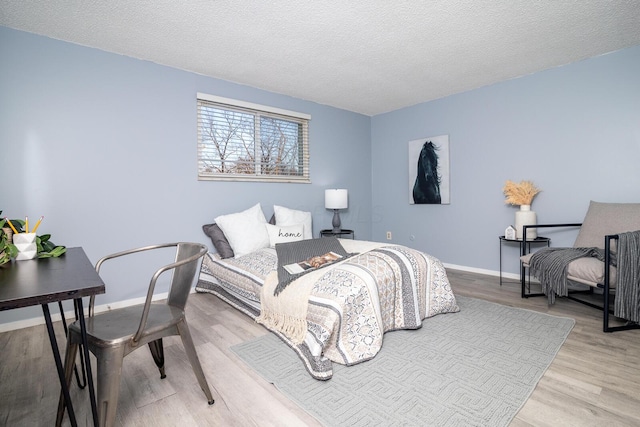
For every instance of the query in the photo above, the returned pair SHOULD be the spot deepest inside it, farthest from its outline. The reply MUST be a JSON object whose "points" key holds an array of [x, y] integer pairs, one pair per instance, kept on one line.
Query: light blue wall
{"points": [[573, 130], [105, 147]]}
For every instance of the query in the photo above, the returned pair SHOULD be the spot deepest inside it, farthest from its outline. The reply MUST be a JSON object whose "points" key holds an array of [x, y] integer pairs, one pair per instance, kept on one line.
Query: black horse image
{"points": [[426, 189]]}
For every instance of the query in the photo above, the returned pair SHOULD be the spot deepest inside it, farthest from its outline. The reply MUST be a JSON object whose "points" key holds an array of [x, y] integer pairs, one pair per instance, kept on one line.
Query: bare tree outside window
{"points": [[238, 143]]}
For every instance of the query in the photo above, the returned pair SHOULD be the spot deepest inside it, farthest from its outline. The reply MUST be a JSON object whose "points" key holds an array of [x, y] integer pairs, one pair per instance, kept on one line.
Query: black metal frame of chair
{"points": [[608, 296]]}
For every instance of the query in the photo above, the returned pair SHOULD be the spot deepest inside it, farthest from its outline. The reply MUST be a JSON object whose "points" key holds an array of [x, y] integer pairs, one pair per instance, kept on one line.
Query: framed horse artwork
{"points": [[429, 171]]}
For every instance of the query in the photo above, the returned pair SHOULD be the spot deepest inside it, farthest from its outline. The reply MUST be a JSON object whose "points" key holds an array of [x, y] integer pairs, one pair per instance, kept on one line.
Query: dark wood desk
{"points": [[42, 281]]}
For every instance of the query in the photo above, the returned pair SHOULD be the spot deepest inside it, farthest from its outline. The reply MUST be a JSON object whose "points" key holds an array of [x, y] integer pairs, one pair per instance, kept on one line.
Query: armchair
{"points": [[605, 256]]}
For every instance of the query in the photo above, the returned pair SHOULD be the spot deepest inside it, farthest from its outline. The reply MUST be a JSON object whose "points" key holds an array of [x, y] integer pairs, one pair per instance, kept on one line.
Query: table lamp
{"points": [[336, 199]]}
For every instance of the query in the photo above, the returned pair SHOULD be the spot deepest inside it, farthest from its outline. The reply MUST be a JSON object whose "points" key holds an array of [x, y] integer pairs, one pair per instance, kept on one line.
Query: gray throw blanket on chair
{"points": [[627, 303], [550, 265]]}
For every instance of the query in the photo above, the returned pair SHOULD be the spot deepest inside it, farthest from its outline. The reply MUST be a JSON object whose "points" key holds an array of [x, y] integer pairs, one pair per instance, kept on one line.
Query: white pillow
{"points": [[245, 230], [284, 234], [286, 216]]}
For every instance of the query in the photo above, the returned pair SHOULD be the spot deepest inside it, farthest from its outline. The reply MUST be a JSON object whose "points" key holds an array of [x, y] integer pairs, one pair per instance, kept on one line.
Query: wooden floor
{"points": [[593, 381]]}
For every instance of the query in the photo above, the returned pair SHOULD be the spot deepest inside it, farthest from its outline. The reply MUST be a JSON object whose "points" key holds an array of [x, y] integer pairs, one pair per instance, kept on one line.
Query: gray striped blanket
{"points": [[627, 303], [550, 266]]}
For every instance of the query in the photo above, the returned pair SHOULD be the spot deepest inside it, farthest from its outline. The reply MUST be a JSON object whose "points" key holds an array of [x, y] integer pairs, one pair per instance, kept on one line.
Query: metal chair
{"points": [[114, 334]]}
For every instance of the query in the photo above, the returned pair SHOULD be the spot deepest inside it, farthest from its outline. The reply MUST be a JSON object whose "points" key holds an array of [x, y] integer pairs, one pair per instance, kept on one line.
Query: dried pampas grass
{"points": [[520, 193]]}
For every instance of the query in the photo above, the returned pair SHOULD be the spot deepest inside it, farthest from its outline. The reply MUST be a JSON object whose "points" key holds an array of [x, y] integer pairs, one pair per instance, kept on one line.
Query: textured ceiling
{"points": [[367, 56]]}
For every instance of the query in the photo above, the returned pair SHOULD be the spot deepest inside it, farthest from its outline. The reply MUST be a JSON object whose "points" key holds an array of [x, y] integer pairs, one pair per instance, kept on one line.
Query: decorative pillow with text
{"points": [[284, 234], [286, 216]]}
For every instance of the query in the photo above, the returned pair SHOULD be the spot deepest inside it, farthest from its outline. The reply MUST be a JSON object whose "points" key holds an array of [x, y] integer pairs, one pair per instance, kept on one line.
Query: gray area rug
{"points": [[472, 368]]}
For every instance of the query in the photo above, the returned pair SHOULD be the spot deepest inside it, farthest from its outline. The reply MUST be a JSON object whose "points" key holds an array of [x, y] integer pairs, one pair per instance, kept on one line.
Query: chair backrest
{"points": [[607, 218], [183, 274], [183, 270]]}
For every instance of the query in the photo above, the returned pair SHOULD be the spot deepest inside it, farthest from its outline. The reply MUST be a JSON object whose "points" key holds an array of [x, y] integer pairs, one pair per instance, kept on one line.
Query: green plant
{"points": [[46, 248], [7, 250]]}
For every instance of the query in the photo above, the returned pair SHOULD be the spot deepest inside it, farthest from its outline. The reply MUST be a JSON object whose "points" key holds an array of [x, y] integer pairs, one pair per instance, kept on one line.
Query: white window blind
{"points": [[242, 141]]}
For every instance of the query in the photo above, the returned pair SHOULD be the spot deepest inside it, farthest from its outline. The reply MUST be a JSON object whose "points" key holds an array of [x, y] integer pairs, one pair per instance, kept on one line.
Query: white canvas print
{"points": [[429, 171]]}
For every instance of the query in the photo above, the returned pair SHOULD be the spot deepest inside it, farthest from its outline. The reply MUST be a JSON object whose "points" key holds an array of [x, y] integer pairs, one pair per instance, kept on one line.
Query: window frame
{"points": [[257, 110]]}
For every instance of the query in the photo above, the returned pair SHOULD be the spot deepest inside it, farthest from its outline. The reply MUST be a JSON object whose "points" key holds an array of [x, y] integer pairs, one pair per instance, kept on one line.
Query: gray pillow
{"points": [[607, 218], [219, 240]]}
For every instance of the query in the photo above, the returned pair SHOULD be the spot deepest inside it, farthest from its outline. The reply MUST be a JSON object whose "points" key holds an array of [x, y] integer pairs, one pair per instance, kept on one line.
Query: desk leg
{"points": [[82, 384], [85, 349], [56, 356]]}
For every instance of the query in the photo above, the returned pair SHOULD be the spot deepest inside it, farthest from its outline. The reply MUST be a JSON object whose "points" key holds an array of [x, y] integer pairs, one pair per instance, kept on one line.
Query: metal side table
{"points": [[521, 243]]}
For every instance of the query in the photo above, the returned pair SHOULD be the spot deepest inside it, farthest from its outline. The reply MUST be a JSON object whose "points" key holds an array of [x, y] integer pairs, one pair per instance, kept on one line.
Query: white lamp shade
{"points": [[336, 199]]}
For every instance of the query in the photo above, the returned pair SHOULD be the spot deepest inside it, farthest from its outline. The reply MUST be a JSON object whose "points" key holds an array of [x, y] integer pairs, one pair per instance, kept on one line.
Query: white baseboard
{"points": [[482, 271], [35, 321]]}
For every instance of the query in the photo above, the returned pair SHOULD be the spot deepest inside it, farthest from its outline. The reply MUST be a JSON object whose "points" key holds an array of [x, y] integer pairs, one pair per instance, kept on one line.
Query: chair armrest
{"points": [[572, 224], [607, 265], [525, 227]]}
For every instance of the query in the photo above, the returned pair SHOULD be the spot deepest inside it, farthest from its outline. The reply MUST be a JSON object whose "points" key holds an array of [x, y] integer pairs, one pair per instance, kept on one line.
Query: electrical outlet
{"points": [[388, 235]]}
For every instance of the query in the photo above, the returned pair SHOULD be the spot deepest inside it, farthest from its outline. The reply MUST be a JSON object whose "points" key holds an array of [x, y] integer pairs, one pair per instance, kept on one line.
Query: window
{"points": [[240, 141]]}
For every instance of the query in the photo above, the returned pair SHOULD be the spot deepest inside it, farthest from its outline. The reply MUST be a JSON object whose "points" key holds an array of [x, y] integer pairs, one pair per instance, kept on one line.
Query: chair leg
{"points": [[190, 349], [157, 351], [109, 374], [69, 364]]}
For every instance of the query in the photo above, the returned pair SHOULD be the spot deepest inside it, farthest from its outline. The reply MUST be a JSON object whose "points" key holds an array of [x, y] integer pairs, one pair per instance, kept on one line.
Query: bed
{"points": [[345, 307]]}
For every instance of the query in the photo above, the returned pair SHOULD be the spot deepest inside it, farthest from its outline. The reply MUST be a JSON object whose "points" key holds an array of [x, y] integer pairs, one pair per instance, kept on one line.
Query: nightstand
{"points": [[344, 233]]}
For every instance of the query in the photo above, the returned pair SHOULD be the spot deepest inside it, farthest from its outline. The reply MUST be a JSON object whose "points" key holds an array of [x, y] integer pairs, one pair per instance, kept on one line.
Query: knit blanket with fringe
{"points": [[287, 313]]}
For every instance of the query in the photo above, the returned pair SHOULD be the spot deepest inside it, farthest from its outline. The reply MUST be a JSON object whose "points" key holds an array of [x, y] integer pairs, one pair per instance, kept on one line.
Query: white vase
{"points": [[26, 245], [525, 216]]}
